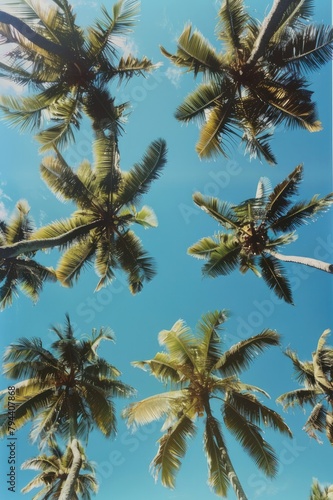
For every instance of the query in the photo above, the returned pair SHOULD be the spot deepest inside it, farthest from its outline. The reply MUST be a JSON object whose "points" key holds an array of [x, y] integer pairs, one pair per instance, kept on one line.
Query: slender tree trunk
{"points": [[231, 473], [24, 246], [68, 490], [267, 30], [307, 261], [31, 35]]}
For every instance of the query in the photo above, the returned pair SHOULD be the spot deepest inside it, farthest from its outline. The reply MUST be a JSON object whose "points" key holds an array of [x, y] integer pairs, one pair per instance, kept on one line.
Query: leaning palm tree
{"points": [[316, 376], [106, 200], [67, 67], [66, 390], [256, 228], [200, 373], [20, 272], [255, 83], [319, 492], [54, 469]]}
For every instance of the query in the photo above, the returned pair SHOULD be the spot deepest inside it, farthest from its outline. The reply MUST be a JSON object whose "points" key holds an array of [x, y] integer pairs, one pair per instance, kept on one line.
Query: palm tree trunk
{"points": [[31, 35], [24, 246], [307, 261], [267, 30], [68, 490], [231, 473]]}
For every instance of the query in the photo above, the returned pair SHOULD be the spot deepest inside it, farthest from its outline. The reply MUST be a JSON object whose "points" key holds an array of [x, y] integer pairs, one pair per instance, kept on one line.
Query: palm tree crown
{"points": [[67, 389], [106, 200], [256, 228], [54, 469], [256, 82], [72, 78], [199, 373], [20, 271], [317, 378]]}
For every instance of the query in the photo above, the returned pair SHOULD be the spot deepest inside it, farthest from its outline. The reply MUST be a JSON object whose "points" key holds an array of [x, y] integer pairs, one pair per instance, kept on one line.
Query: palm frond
{"points": [[137, 181], [204, 248], [195, 53], [316, 421], [250, 437], [217, 474], [233, 21], [134, 260], [152, 408], [172, 447], [74, 260], [209, 343], [105, 262], [224, 259], [300, 213], [298, 397], [162, 366], [180, 343], [222, 212], [199, 102], [240, 355], [272, 273]]}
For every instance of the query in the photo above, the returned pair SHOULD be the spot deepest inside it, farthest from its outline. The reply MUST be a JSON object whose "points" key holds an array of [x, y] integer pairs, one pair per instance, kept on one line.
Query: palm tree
{"points": [[66, 390], [256, 228], [20, 271], [68, 69], [106, 200], [321, 493], [54, 471], [316, 376], [256, 82], [199, 373]]}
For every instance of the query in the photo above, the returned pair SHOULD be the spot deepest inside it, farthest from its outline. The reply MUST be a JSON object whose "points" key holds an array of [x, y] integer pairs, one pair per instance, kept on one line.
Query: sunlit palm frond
{"points": [[316, 421], [224, 259], [162, 366], [105, 262], [299, 397], [217, 474], [195, 53], [221, 211], [180, 343], [74, 260], [240, 355], [204, 248], [153, 408], [199, 102], [209, 343], [233, 21], [172, 447]]}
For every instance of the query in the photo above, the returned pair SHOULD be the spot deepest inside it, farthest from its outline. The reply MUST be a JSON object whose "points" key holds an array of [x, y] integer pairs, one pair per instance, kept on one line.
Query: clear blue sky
{"points": [[178, 290]]}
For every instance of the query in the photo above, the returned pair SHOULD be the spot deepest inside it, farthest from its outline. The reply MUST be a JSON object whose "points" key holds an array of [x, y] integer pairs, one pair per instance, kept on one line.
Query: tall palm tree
{"points": [[200, 373], [256, 228], [20, 271], [54, 471], [316, 376], [106, 200], [319, 492], [66, 390], [256, 82], [68, 72]]}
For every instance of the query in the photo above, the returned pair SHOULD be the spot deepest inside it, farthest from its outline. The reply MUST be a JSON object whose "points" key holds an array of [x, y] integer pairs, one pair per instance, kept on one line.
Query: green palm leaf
{"points": [[222, 212], [180, 343], [232, 24], [195, 52], [171, 449], [74, 260], [239, 356], [204, 248], [272, 273], [208, 339], [302, 212], [137, 181], [316, 421], [249, 436], [224, 259], [201, 100], [217, 476], [138, 266], [153, 408], [161, 366], [105, 262]]}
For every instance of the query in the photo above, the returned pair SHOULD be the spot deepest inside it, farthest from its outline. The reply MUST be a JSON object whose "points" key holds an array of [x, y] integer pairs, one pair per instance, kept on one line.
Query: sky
{"points": [[179, 290]]}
